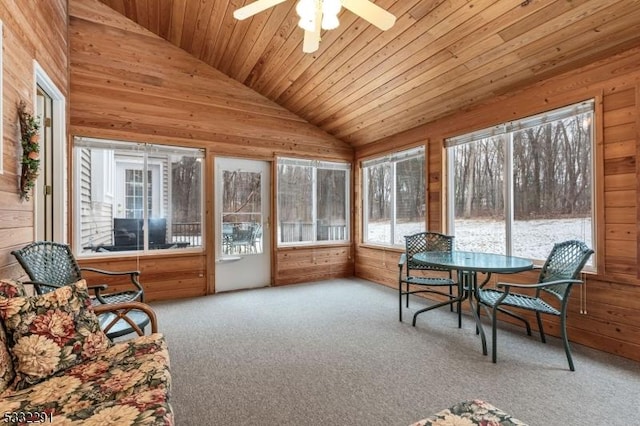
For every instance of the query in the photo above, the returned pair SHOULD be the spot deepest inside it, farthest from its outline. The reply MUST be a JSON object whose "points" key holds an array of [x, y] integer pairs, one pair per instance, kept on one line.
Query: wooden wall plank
{"points": [[183, 276], [32, 31], [300, 264], [637, 174]]}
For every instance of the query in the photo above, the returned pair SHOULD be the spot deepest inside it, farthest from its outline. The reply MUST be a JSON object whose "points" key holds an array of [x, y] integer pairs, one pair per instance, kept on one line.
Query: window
{"points": [[313, 201], [242, 207], [136, 197], [519, 187], [393, 189]]}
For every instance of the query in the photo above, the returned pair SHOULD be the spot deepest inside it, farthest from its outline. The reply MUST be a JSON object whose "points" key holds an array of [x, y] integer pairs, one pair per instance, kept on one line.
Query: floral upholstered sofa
{"points": [[57, 365], [470, 413]]}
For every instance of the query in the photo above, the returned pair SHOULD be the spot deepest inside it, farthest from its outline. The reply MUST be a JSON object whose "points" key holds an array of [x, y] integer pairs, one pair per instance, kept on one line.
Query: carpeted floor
{"points": [[334, 353]]}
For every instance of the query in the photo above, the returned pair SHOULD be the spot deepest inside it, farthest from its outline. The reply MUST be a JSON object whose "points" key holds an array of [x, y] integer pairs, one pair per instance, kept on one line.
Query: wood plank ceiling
{"points": [[364, 84]]}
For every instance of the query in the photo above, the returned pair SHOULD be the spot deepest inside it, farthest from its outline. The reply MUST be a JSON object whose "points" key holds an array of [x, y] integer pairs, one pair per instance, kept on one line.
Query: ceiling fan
{"points": [[317, 15]]}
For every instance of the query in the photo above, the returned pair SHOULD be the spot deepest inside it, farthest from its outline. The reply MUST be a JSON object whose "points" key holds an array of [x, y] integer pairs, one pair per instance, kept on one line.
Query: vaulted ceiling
{"points": [[364, 84]]}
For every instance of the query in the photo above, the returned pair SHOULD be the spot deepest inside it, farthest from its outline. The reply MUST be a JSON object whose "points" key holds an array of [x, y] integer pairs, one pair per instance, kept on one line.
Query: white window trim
{"points": [[315, 165], [88, 142], [59, 144], [510, 128], [393, 159]]}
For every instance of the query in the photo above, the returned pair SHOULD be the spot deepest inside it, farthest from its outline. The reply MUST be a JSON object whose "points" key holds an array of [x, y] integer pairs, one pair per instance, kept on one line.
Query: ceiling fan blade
{"points": [[254, 8], [311, 41], [370, 12]]}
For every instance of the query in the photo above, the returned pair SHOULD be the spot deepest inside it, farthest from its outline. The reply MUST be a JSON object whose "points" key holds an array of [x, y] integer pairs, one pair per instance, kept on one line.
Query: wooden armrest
{"points": [[120, 310]]}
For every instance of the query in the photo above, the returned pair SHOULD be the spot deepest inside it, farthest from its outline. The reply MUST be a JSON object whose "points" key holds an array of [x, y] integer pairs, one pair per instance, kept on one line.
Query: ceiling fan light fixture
{"points": [[307, 24], [330, 22], [306, 8], [318, 15]]}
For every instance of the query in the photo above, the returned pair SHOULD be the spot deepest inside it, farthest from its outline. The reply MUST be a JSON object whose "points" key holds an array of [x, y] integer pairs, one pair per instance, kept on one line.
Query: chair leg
{"points": [[494, 335], [565, 341], [451, 294], [407, 295], [478, 313], [400, 299], [540, 327]]}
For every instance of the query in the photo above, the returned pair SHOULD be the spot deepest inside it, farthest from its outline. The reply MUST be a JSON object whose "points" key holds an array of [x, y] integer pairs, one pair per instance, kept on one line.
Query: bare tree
{"points": [[551, 177]]}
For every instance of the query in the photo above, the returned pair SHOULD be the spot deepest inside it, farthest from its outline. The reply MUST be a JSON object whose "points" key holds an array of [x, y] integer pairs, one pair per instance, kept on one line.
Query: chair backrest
{"points": [[257, 232], [158, 230], [565, 262], [244, 235], [426, 241], [48, 262], [127, 232]]}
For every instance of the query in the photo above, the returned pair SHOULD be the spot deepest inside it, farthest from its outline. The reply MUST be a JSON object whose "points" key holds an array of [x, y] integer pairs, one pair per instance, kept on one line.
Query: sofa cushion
{"points": [[470, 413], [8, 288], [11, 288], [51, 332], [128, 384], [7, 374]]}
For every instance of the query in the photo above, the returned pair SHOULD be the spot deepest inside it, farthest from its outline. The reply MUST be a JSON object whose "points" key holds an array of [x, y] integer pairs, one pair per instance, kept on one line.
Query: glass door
{"points": [[243, 258]]}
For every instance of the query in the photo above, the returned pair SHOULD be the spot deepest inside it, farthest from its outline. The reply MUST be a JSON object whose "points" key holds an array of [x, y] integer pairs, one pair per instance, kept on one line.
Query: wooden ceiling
{"points": [[364, 84]]}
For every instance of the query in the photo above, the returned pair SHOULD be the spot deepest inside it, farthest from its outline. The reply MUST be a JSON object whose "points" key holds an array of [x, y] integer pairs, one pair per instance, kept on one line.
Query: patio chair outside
{"points": [[243, 238], [559, 273], [52, 265], [421, 242]]}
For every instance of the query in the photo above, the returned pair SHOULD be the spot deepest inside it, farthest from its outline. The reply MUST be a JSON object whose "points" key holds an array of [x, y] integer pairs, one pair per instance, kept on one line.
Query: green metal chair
{"points": [[559, 273], [421, 242], [52, 265]]}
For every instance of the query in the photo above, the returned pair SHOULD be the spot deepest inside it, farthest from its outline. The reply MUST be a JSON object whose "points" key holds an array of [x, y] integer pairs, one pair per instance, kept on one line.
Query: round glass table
{"points": [[474, 261], [468, 264]]}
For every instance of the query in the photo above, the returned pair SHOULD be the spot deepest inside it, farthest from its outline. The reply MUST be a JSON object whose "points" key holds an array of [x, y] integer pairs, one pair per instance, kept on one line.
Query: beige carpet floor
{"points": [[334, 353]]}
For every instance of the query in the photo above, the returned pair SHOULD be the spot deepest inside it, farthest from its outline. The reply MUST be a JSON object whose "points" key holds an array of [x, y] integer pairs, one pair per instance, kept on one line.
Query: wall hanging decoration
{"points": [[29, 138]]}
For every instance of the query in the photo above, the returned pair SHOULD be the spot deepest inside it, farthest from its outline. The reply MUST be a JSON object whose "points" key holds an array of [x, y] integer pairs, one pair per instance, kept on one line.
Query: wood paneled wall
{"points": [[605, 313], [185, 277], [303, 264], [32, 31], [129, 84]]}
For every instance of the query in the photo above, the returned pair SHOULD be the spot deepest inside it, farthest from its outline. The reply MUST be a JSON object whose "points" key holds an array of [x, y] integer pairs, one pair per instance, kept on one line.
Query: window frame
{"points": [[393, 159], [507, 129], [315, 165], [107, 192]]}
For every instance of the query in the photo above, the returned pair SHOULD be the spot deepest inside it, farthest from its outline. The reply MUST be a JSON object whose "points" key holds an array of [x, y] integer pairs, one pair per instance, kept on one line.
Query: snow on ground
{"points": [[533, 239]]}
